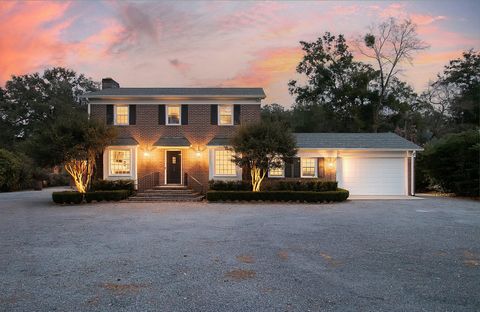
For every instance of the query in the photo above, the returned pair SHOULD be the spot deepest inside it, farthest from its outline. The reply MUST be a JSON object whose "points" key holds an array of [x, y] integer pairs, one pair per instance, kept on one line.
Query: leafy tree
{"points": [[73, 141], [389, 44], [277, 113], [29, 102], [453, 162], [260, 147], [336, 96]]}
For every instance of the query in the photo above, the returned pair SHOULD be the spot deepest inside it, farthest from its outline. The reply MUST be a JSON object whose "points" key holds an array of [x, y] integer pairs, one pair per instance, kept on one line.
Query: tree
{"points": [[73, 141], [389, 44], [263, 146], [31, 101], [452, 162], [336, 96], [277, 113]]}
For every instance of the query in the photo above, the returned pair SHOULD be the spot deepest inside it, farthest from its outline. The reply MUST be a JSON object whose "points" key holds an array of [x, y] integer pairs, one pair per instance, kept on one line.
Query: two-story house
{"points": [[167, 136]]}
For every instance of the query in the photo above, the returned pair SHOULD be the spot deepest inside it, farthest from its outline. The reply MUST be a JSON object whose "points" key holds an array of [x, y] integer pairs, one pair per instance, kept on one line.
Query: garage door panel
{"points": [[372, 176]]}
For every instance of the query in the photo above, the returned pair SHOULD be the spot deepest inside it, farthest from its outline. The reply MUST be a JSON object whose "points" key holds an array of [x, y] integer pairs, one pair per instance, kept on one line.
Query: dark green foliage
{"points": [[15, 171], [113, 195], [312, 185], [453, 163], [229, 185], [113, 185], [67, 197], [58, 179], [329, 196]]}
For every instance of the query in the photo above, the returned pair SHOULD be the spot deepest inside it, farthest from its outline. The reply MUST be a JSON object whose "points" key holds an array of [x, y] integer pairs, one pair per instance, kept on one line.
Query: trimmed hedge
{"points": [[304, 196], [113, 185], [229, 185], [67, 197], [114, 195], [304, 185]]}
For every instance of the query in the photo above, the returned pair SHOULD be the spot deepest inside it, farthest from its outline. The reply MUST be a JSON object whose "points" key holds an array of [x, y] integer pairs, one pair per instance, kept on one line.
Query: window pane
{"points": [[173, 114], [121, 114], [308, 167], [226, 114], [120, 162], [277, 172], [224, 164]]}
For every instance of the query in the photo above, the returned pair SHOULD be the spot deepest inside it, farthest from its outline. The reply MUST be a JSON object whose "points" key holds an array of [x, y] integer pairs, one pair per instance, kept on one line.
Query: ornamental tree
{"points": [[73, 141], [262, 146]]}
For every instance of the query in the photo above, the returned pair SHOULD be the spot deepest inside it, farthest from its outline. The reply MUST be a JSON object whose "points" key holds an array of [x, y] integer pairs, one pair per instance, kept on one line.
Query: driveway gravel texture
{"points": [[374, 255]]}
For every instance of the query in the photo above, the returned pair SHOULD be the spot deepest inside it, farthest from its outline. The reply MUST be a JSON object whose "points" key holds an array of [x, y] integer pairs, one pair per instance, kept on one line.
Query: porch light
{"points": [[146, 154], [198, 153]]}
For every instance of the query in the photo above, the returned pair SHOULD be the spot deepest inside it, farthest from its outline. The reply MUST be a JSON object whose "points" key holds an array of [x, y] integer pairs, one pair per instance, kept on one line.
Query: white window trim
{"points": [[215, 166], [218, 115], [115, 115], [179, 115], [315, 164]]}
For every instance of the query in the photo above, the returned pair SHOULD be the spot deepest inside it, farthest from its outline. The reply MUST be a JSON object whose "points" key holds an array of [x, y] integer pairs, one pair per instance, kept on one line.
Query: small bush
{"points": [[114, 195], [114, 185], [67, 197], [229, 185], [13, 172], [302, 185], [304, 196], [58, 179]]}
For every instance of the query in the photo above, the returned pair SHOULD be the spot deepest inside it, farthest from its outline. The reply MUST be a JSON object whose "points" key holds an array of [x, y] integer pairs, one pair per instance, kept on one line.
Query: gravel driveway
{"points": [[397, 255]]}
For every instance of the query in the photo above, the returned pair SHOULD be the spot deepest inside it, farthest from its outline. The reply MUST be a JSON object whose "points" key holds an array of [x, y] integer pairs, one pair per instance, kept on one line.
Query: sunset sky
{"points": [[186, 43]]}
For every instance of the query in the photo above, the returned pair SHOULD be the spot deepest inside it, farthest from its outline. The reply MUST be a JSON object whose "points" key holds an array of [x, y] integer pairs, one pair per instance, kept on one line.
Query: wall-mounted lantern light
{"points": [[198, 151]]}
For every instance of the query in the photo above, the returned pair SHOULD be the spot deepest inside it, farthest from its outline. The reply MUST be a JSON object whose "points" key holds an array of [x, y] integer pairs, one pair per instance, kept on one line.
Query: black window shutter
{"points": [[236, 114], [184, 114], [161, 114], [296, 167], [288, 170], [132, 114], [321, 167], [214, 114], [109, 114]]}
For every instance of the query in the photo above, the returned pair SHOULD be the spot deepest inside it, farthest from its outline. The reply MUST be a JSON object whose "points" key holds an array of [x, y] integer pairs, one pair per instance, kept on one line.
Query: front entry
{"points": [[174, 167]]}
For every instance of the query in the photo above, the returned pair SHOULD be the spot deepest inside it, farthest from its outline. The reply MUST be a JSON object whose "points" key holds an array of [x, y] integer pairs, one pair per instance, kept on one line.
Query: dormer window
{"points": [[225, 115], [121, 115], [173, 115]]}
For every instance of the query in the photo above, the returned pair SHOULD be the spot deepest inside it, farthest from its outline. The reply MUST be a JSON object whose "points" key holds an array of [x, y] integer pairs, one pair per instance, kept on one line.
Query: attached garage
{"points": [[364, 163], [373, 175]]}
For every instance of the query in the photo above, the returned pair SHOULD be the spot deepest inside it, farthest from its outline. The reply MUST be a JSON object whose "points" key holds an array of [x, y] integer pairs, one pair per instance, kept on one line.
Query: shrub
{"points": [[67, 197], [303, 185], [452, 163], [114, 195], [10, 171], [58, 179], [304, 196], [114, 185], [229, 185]]}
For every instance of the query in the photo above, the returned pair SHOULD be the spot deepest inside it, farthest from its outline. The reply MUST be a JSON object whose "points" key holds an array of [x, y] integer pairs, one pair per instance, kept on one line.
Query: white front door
{"points": [[372, 176]]}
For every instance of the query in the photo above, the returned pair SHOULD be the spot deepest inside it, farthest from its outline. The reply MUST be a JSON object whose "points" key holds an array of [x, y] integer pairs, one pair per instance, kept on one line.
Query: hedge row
{"points": [[304, 196], [229, 185], [69, 197], [303, 185]]}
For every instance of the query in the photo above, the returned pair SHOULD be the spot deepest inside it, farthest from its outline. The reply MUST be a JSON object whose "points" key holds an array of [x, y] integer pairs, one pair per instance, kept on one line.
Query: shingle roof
{"points": [[172, 141], [219, 141], [384, 141], [127, 141], [182, 92]]}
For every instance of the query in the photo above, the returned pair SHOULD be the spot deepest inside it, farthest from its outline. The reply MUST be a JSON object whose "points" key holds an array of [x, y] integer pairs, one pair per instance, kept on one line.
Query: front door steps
{"points": [[167, 193]]}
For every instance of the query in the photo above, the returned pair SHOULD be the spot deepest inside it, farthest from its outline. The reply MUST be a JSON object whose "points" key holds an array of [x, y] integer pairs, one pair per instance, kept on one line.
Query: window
{"points": [[223, 163], [225, 115], [173, 114], [121, 115], [308, 167], [277, 172], [120, 162]]}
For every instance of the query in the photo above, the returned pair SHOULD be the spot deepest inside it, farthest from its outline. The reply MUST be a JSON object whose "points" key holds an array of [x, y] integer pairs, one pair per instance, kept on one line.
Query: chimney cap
{"points": [[109, 83]]}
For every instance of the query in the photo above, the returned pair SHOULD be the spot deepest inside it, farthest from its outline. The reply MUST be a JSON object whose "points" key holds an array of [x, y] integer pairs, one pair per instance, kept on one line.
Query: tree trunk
{"points": [[257, 178]]}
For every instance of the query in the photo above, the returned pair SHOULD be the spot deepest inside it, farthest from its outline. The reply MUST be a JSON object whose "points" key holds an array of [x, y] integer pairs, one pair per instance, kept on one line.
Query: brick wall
{"points": [[199, 132]]}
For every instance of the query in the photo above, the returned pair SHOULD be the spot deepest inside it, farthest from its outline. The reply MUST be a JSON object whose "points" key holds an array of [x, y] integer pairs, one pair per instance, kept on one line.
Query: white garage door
{"points": [[372, 176]]}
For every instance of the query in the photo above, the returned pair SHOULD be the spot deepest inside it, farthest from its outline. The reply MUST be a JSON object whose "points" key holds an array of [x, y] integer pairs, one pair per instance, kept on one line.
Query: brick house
{"points": [[177, 136]]}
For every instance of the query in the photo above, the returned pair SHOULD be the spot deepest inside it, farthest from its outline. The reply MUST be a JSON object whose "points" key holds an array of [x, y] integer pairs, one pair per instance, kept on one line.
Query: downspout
{"points": [[88, 110], [412, 173]]}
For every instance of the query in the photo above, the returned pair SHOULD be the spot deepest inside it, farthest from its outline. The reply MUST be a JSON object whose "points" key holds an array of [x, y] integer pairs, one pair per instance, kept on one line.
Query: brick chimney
{"points": [[109, 83]]}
